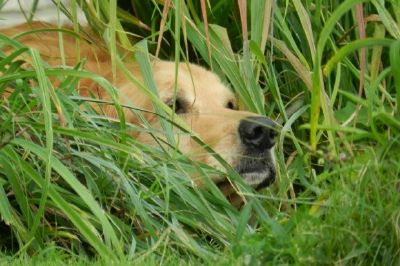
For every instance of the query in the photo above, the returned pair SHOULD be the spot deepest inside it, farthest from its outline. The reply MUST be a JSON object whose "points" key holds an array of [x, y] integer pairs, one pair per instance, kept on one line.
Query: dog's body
{"points": [[209, 108]]}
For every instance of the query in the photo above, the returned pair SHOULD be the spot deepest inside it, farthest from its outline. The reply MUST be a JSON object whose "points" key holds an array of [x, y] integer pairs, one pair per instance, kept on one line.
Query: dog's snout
{"points": [[258, 132]]}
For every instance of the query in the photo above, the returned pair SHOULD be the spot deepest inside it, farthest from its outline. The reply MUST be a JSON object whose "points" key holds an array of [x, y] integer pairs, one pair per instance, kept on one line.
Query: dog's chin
{"points": [[259, 179], [257, 171]]}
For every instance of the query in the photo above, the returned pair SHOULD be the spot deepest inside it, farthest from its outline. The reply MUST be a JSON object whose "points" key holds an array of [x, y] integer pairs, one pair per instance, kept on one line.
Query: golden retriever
{"points": [[244, 140]]}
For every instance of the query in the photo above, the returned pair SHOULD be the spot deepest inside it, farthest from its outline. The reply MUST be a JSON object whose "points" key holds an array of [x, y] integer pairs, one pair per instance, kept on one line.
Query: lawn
{"points": [[76, 188]]}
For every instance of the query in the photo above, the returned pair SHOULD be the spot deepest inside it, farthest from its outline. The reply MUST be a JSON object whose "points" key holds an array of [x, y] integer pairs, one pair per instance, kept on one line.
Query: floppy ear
{"points": [[128, 94], [90, 88], [133, 97]]}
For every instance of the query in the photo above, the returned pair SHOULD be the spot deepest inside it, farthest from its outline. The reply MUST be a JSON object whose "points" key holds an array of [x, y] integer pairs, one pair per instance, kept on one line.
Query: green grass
{"points": [[75, 188]]}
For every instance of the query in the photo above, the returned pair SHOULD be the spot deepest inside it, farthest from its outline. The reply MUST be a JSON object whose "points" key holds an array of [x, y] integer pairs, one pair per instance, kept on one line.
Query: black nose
{"points": [[258, 132]]}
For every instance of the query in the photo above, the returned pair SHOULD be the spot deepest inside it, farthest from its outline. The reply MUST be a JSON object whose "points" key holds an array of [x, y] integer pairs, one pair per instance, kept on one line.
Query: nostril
{"points": [[253, 135], [257, 133]]}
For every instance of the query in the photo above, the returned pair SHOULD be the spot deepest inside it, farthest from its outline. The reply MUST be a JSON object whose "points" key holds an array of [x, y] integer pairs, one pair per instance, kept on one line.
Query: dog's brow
{"points": [[180, 95]]}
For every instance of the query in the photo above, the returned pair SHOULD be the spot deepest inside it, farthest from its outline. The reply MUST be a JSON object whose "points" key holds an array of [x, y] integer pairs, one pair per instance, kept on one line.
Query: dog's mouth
{"points": [[257, 172], [259, 179]]}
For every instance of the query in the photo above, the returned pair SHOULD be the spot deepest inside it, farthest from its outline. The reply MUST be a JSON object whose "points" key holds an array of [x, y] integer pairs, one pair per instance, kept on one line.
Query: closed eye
{"points": [[177, 105]]}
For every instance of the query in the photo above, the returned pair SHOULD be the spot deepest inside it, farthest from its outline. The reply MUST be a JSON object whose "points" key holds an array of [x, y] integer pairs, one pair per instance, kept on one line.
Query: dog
{"points": [[243, 139]]}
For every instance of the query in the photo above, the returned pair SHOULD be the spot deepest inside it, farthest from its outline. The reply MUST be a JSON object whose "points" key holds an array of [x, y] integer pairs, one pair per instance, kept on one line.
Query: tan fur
{"points": [[207, 114]]}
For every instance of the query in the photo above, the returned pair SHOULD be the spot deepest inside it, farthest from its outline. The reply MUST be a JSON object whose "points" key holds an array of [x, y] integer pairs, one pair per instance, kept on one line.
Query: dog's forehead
{"points": [[192, 82]]}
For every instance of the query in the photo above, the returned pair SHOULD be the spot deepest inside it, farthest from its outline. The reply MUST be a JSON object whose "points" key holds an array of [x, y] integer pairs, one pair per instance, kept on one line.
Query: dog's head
{"points": [[243, 139]]}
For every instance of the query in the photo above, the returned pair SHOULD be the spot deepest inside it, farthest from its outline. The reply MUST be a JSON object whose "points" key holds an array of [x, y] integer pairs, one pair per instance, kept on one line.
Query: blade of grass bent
{"points": [[318, 98], [143, 59], [260, 11], [81, 190], [11, 218], [18, 186], [386, 18], [224, 60], [307, 27], [394, 60], [44, 89], [351, 47], [87, 231]]}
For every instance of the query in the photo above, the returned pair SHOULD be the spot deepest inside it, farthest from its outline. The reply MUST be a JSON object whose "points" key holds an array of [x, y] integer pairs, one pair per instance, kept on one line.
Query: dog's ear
{"points": [[128, 96], [90, 88]]}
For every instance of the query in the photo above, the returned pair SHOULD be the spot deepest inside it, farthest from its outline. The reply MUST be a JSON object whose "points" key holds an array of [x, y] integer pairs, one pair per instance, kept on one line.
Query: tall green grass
{"points": [[75, 185]]}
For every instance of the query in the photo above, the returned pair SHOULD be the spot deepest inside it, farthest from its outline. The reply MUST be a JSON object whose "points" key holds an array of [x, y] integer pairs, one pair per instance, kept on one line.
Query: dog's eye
{"points": [[178, 104], [231, 105]]}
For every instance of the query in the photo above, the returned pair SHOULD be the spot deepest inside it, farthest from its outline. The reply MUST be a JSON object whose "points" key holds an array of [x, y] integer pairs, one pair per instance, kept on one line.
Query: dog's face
{"points": [[245, 140]]}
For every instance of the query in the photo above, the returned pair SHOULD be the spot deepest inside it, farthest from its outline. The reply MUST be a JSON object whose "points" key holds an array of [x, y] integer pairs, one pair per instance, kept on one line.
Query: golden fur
{"points": [[209, 107]]}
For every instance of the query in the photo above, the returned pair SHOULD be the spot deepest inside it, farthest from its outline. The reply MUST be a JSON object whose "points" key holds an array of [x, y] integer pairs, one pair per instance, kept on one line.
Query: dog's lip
{"points": [[264, 178], [253, 178], [258, 179], [234, 196]]}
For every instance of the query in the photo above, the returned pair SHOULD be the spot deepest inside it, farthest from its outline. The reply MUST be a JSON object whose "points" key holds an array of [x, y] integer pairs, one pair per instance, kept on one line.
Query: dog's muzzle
{"points": [[257, 165]]}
